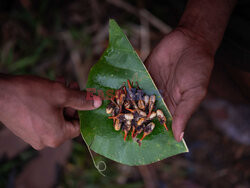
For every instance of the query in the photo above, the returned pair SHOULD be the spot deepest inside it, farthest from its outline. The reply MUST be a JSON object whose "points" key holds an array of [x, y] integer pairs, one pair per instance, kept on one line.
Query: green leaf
{"points": [[28, 61], [23, 63], [118, 63]]}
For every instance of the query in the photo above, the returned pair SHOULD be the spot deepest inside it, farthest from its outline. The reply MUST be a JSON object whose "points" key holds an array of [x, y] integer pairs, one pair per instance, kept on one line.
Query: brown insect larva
{"points": [[117, 125], [146, 100], [126, 128], [141, 104], [148, 129], [110, 108], [152, 115], [151, 104], [132, 110], [162, 118]]}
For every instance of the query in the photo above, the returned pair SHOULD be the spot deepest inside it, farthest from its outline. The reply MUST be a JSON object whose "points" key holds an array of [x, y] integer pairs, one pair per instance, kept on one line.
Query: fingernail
{"points": [[181, 136], [97, 101]]}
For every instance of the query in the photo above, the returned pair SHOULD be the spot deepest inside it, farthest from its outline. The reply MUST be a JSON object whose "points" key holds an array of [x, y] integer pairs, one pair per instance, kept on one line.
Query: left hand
{"points": [[181, 65]]}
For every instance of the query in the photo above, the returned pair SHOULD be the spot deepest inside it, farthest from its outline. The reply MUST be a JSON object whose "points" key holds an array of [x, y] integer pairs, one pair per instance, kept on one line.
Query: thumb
{"points": [[78, 100], [186, 107]]}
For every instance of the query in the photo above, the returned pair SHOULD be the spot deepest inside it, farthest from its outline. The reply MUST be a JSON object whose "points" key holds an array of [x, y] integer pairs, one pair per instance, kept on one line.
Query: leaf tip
{"points": [[112, 23]]}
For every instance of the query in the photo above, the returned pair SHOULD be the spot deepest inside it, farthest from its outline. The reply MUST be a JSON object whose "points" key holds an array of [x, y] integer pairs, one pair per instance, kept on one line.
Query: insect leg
{"points": [[129, 85], [125, 135], [165, 126], [133, 130], [144, 134], [130, 110]]}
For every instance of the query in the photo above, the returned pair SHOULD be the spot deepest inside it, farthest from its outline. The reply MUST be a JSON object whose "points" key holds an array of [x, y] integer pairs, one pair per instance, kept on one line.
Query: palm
{"points": [[181, 69]]}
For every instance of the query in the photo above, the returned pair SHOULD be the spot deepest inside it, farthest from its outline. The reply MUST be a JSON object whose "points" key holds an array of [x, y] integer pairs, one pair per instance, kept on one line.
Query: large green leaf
{"points": [[118, 63]]}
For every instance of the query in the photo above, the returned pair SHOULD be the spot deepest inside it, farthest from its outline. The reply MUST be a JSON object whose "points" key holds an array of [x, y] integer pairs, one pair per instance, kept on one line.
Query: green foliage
{"points": [[11, 168], [79, 172]]}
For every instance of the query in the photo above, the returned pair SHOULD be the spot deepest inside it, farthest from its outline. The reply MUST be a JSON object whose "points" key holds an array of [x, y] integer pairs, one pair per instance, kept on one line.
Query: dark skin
{"points": [[40, 111], [180, 65], [182, 74]]}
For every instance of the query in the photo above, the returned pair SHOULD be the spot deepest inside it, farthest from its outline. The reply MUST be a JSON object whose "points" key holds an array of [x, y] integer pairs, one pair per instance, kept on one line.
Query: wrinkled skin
{"points": [[42, 112], [181, 65]]}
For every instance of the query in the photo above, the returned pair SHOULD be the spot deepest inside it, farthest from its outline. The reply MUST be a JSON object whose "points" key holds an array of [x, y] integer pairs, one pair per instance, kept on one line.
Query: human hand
{"points": [[181, 65], [42, 112]]}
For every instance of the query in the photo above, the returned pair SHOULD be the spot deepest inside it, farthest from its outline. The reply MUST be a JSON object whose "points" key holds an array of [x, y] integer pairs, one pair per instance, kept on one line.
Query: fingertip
{"points": [[177, 137], [80, 100], [181, 136], [97, 101], [177, 130]]}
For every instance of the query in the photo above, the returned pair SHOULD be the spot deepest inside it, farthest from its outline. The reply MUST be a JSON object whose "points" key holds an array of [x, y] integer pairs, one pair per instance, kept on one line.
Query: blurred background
{"points": [[65, 38]]}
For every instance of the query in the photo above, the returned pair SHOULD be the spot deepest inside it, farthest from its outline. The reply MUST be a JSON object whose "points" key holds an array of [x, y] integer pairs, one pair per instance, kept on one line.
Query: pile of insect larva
{"points": [[133, 110]]}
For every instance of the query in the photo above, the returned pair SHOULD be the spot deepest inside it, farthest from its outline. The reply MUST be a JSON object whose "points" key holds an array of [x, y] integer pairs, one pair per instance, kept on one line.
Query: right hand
{"points": [[33, 109]]}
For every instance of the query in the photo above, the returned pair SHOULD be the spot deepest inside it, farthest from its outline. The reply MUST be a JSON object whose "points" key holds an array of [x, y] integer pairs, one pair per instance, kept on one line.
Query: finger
{"points": [[78, 100], [184, 109], [72, 129]]}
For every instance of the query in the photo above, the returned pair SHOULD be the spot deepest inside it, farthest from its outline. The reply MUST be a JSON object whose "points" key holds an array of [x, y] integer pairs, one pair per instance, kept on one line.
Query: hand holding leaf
{"points": [[181, 65]]}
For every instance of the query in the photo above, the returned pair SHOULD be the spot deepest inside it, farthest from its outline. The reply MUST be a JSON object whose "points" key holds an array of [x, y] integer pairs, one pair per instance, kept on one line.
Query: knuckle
{"points": [[60, 92]]}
